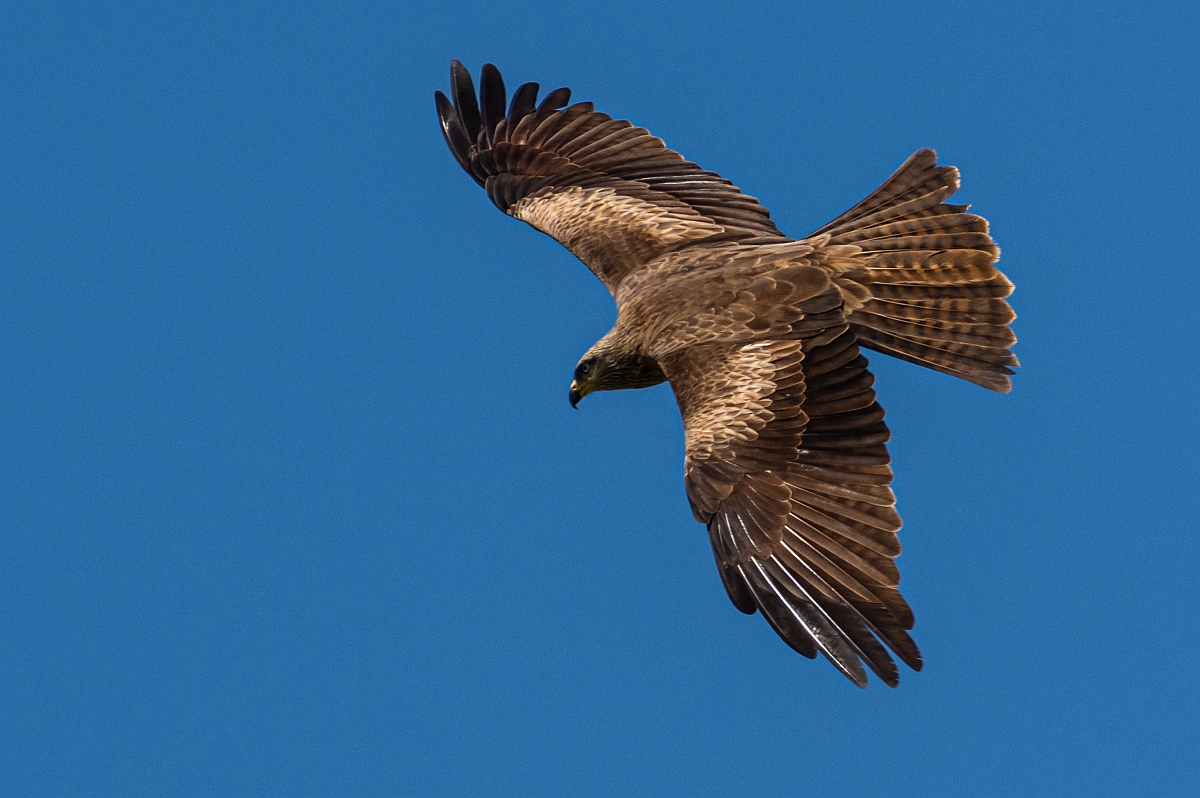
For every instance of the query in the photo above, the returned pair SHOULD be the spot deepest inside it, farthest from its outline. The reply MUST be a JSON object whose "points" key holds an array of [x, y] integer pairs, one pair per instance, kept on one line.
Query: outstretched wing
{"points": [[787, 466], [608, 191]]}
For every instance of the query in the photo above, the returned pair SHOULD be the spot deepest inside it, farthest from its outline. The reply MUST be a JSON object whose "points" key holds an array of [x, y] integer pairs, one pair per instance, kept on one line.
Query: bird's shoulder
{"points": [[701, 267], [731, 291]]}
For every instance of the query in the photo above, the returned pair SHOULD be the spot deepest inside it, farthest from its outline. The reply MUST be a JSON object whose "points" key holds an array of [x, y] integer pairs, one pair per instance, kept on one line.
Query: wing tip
{"points": [[465, 102], [492, 99]]}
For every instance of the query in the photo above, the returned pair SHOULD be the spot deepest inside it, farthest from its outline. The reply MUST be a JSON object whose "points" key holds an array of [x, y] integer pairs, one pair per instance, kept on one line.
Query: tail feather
{"points": [[923, 286], [987, 335], [922, 207], [991, 289], [985, 366], [914, 226], [944, 267], [973, 311], [918, 177]]}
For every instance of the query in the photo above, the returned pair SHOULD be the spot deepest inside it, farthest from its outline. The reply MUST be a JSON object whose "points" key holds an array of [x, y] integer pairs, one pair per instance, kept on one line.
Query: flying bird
{"points": [[759, 335]]}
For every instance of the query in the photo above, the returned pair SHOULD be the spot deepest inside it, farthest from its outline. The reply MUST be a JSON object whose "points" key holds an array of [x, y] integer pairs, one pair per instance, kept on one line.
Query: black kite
{"points": [[759, 336]]}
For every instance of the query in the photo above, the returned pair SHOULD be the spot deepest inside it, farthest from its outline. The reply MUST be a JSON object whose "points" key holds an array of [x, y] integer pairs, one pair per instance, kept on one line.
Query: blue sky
{"points": [[292, 501]]}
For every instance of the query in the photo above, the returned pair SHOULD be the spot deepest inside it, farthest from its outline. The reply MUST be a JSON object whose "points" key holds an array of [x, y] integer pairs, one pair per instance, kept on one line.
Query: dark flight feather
{"points": [[523, 102], [492, 98], [464, 99]]}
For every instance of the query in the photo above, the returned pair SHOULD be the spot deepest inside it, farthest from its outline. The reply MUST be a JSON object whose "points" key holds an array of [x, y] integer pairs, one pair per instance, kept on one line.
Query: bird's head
{"points": [[608, 371], [588, 375]]}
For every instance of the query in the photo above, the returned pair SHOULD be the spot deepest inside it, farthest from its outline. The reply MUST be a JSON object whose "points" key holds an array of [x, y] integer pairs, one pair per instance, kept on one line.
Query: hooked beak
{"points": [[578, 391]]}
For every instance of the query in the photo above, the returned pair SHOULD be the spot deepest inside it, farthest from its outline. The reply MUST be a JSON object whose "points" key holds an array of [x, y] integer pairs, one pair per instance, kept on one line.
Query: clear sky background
{"points": [[292, 501]]}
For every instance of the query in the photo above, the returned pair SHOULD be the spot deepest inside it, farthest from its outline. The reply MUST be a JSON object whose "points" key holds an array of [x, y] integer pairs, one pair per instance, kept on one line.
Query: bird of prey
{"points": [[759, 336]]}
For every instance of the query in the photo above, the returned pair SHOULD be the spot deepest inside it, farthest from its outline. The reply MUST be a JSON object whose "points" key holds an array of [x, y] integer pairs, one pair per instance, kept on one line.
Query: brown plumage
{"points": [[759, 337]]}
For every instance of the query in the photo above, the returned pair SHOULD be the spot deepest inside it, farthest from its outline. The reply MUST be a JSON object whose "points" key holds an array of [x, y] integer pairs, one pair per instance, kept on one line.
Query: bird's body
{"points": [[759, 336]]}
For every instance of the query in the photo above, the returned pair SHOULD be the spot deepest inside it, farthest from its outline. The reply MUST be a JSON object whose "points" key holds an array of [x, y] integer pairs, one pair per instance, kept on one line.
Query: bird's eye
{"points": [[584, 368]]}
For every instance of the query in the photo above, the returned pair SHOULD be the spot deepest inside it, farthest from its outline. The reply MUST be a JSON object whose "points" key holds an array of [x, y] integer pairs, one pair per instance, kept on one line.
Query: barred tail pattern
{"points": [[924, 287]]}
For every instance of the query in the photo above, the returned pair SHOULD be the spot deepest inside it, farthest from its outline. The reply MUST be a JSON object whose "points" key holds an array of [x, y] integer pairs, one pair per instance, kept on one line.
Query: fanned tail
{"points": [[924, 287]]}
